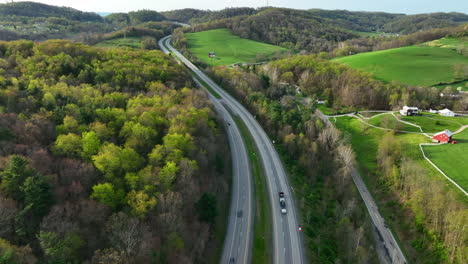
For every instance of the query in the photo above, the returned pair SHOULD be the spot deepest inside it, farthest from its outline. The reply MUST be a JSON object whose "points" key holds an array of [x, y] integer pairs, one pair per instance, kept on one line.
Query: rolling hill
{"points": [[425, 65], [229, 48]]}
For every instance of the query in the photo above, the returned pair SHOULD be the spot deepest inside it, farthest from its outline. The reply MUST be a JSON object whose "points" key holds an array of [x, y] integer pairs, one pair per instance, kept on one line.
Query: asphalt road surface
{"points": [[384, 233], [239, 235], [287, 241]]}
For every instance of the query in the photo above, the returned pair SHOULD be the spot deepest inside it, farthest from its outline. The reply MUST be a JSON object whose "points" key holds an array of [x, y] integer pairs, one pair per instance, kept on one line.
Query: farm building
{"points": [[446, 112], [409, 111], [442, 137], [433, 111]]}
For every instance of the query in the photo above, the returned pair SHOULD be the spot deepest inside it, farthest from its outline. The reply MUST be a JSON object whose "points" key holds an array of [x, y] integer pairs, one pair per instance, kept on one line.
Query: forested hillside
{"points": [[315, 30], [184, 15], [194, 16], [19, 10], [35, 21], [292, 29], [357, 21], [415, 23], [106, 157]]}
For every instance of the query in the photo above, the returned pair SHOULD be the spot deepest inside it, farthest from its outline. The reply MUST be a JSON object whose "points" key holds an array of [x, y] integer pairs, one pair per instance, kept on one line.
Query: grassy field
{"points": [[365, 139], [228, 48], [389, 121], [433, 123], [452, 158], [130, 42], [451, 43], [415, 65]]}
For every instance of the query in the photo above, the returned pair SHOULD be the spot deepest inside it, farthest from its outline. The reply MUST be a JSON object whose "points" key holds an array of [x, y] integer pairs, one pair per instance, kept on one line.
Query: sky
{"points": [[391, 6]]}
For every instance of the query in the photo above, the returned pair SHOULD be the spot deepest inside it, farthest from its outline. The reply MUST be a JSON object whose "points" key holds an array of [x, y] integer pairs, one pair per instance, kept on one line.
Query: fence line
{"points": [[437, 168]]}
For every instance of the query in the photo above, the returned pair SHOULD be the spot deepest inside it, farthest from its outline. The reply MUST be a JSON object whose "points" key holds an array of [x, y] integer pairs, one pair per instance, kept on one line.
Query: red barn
{"points": [[443, 137]]}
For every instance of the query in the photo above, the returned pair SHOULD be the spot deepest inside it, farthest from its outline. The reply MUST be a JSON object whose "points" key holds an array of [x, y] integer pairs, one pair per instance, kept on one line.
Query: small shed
{"points": [[442, 137], [432, 111], [446, 112], [409, 111]]}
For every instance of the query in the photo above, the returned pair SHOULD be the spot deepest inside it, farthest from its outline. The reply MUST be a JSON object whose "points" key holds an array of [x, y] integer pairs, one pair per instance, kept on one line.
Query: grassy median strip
{"points": [[262, 247], [211, 90]]}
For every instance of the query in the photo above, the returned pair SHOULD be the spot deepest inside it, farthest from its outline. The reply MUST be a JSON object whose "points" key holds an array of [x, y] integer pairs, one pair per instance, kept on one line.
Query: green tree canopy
{"points": [[37, 192], [90, 144], [69, 145], [106, 193], [206, 207], [14, 175]]}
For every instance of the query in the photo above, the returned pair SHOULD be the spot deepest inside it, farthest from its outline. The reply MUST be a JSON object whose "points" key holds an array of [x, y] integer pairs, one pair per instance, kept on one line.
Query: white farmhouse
{"points": [[446, 112], [409, 111]]}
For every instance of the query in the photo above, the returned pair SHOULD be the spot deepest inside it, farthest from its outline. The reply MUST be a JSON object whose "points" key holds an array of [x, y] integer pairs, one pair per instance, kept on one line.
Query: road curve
{"points": [[239, 235], [287, 241]]}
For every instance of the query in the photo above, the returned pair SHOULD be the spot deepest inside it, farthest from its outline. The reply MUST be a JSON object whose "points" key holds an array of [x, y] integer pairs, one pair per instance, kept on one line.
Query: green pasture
{"points": [[427, 64], [452, 158], [228, 47]]}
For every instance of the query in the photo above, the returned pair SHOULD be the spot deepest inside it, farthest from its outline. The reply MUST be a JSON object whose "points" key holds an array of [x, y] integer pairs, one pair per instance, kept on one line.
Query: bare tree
{"points": [[329, 136], [125, 233], [346, 157]]}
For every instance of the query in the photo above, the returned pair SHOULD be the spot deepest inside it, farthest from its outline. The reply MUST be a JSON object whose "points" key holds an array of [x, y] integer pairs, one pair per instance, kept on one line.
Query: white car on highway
{"points": [[282, 201]]}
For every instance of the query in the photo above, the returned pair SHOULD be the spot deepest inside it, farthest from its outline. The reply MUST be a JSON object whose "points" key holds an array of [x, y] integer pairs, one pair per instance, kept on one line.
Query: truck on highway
{"points": [[282, 201]]}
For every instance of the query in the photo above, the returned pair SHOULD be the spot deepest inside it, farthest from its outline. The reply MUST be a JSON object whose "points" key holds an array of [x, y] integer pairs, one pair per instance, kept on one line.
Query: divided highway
{"points": [[239, 236], [287, 241]]}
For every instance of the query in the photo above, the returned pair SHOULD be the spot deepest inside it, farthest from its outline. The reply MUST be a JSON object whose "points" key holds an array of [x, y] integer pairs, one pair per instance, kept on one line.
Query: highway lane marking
{"points": [[215, 87]]}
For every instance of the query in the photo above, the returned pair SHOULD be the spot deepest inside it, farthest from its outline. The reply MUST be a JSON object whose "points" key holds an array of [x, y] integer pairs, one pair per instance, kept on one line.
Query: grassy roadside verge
{"points": [[261, 252], [213, 92]]}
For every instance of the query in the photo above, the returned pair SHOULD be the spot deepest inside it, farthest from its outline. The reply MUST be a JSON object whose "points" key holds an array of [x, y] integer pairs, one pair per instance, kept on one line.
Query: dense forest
{"points": [[194, 16], [153, 30], [36, 21], [106, 156], [22, 10]]}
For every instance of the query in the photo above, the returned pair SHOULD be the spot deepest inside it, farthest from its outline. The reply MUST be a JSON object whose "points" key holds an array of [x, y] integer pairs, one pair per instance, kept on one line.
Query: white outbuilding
{"points": [[409, 111], [446, 112]]}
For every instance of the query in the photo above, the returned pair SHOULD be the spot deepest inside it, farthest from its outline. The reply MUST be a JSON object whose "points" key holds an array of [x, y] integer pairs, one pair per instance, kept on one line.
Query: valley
{"points": [[233, 135]]}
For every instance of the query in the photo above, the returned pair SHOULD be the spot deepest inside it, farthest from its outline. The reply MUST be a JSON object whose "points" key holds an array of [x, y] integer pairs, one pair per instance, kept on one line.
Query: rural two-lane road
{"points": [[287, 242], [393, 250]]}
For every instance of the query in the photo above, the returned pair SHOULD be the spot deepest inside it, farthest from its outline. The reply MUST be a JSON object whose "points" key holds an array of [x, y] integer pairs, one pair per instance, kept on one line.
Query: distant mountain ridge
{"points": [[350, 20], [35, 10]]}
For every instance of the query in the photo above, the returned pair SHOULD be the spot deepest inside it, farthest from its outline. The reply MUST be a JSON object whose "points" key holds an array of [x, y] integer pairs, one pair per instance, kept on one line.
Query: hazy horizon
{"points": [[390, 6]]}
